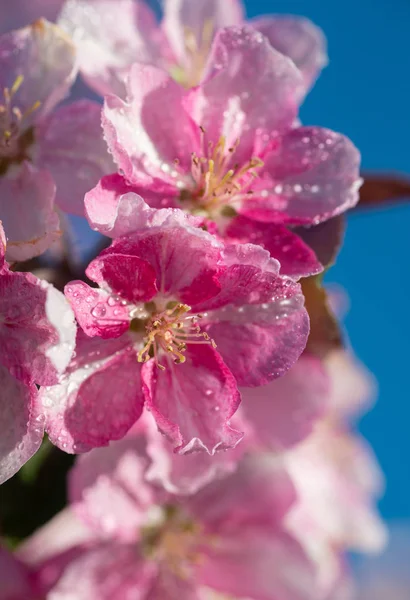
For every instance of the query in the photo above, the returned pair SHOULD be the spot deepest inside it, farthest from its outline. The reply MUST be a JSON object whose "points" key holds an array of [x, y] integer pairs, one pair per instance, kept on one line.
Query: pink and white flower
{"points": [[37, 334], [177, 322], [235, 157], [113, 34], [45, 156], [149, 544]]}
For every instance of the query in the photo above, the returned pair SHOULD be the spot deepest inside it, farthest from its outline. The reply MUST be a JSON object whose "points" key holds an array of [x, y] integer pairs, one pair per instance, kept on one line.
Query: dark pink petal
{"points": [[281, 329], [258, 492], [98, 313], [16, 581], [170, 585], [114, 207], [22, 12], [109, 489], [2, 247], [184, 258], [324, 239], [295, 257], [314, 176], [53, 53], [131, 277], [142, 137], [259, 564], [193, 402], [182, 16], [106, 572], [243, 60], [284, 412], [71, 146], [27, 212], [109, 37], [299, 39], [95, 403], [37, 334], [21, 433]]}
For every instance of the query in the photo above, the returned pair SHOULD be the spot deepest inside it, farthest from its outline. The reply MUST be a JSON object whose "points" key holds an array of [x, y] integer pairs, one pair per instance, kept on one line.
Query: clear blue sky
{"points": [[365, 93]]}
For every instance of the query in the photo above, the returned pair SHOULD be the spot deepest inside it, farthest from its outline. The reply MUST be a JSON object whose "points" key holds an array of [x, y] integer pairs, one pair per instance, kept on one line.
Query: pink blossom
{"points": [[150, 545], [175, 310], [220, 151], [37, 333], [113, 34], [44, 155], [17, 583], [21, 12]]}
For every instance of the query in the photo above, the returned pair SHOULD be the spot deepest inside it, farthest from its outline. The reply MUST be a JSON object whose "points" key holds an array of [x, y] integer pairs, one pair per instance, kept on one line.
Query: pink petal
{"points": [[314, 174], [72, 148], [259, 492], [299, 39], [259, 564], [281, 329], [97, 312], [188, 473], [114, 207], [109, 38], [21, 433], [109, 490], [184, 258], [204, 397], [284, 412], [107, 572], [96, 402], [27, 212], [16, 582], [46, 46], [324, 239], [169, 585], [131, 277], [37, 335], [295, 257], [2, 247], [143, 139], [182, 16], [243, 60]]}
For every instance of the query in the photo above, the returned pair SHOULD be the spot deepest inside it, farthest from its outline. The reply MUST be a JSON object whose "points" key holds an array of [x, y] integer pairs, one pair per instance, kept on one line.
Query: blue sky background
{"points": [[365, 93]]}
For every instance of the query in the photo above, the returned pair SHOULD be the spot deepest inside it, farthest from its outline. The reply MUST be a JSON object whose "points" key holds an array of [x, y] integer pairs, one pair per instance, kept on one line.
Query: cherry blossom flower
{"points": [[113, 34], [149, 544], [176, 310], [235, 157], [44, 155], [37, 334], [17, 583]]}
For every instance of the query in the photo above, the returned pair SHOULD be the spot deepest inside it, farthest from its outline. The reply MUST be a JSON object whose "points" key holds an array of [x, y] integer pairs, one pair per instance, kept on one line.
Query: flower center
{"points": [[13, 140], [173, 541], [219, 184], [169, 332], [196, 51]]}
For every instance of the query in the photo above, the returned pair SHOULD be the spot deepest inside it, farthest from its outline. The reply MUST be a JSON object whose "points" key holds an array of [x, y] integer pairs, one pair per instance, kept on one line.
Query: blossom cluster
{"points": [[186, 363]]}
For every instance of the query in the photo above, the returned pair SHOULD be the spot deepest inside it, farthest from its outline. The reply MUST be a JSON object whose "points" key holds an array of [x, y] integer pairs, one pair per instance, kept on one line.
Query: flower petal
{"points": [[27, 212], [243, 60], [295, 257], [131, 277], [314, 174], [97, 312], [16, 582], [21, 433], [109, 490], [109, 37], [204, 397], [280, 328], [284, 412], [37, 334], [114, 207], [2, 247], [72, 148], [96, 402], [259, 564], [144, 139], [53, 53], [182, 18], [299, 39]]}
